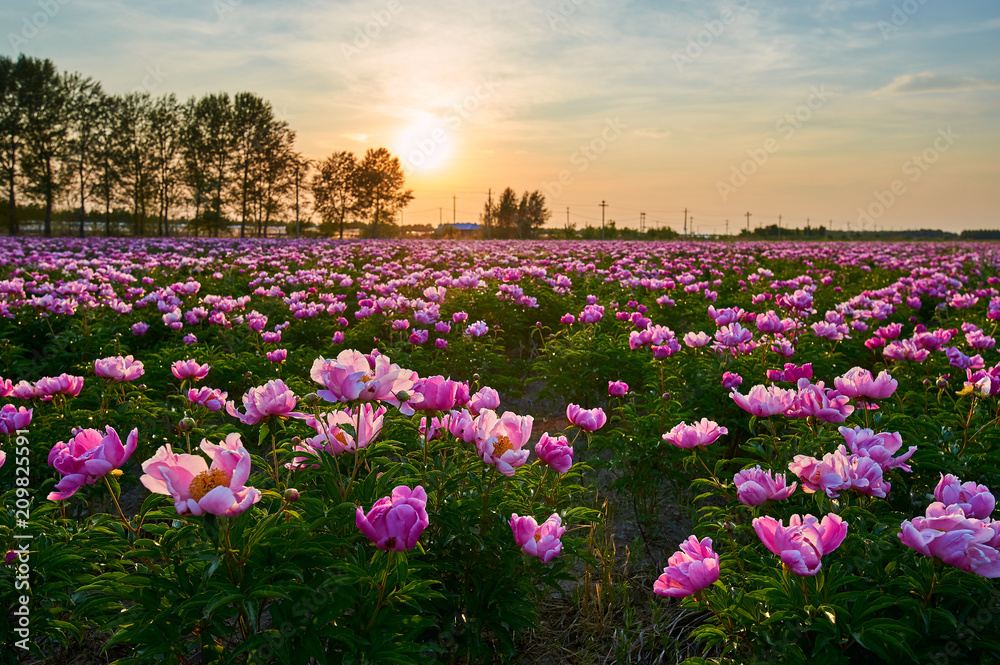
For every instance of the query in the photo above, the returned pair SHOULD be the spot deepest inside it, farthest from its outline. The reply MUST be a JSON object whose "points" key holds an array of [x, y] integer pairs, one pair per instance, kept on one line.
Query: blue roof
{"points": [[462, 226]]}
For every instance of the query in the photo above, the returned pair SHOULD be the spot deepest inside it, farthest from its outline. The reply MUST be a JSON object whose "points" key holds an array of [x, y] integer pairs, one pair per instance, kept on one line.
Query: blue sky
{"points": [[808, 110]]}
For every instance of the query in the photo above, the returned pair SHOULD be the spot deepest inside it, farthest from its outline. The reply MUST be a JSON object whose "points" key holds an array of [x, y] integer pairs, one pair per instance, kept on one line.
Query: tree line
{"points": [[146, 165]]}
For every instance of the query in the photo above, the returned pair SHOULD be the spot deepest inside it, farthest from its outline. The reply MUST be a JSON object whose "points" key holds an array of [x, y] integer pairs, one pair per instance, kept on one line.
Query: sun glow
{"points": [[425, 145]]}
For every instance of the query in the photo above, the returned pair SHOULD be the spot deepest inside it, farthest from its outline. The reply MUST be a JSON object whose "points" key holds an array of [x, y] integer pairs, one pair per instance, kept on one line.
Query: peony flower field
{"points": [[245, 451]]}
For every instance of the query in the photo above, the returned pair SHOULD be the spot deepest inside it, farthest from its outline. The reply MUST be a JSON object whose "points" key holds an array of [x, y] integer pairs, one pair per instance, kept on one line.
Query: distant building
{"points": [[460, 230]]}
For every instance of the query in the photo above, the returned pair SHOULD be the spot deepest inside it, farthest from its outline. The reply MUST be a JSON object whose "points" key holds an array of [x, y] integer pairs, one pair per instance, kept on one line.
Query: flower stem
{"points": [[118, 506]]}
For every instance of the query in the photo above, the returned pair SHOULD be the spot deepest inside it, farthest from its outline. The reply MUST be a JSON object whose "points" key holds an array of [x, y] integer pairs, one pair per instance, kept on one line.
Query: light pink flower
{"points": [[438, 393], [802, 544], [555, 451], [462, 425], [273, 398], [702, 433], [755, 486], [13, 418], [211, 398], [189, 369], [485, 398], [537, 540], [64, 384], [198, 488], [501, 440], [589, 420], [814, 400], [693, 568], [839, 471], [395, 522], [858, 382], [366, 420], [763, 401], [118, 368], [975, 500], [880, 447], [87, 457], [947, 533]]}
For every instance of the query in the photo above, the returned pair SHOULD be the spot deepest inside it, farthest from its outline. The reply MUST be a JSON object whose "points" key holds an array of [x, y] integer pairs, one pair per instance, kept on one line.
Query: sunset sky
{"points": [[800, 109]]}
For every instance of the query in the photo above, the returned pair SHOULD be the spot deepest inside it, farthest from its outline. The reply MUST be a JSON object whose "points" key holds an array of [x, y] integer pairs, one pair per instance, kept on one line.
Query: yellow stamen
{"points": [[206, 481], [502, 445]]}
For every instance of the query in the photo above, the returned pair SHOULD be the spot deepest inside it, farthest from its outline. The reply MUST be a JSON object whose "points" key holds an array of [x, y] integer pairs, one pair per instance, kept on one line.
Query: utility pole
{"points": [[779, 227], [489, 214], [603, 206], [440, 216], [748, 222], [727, 227], [685, 221], [567, 222], [692, 224], [642, 222]]}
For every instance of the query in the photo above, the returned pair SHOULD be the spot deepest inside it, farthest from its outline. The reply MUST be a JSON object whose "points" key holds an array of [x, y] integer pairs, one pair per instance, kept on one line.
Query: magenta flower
{"points": [[273, 398], [755, 486], [617, 388], [880, 447], [567, 319], [477, 329], [6, 387], [139, 329], [858, 382], [87, 457], [198, 488], [696, 339], [802, 544], [13, 418], [439, 393], [189, 369], [277, 356], [367, 423], [701, 433], [485, 398], [395, 522], [731, 381], [975, 500], [118, 368], [462, 425], [64, 384], [764, 401], [538, 540], [839, 471], [693, 568], [3, 458], [352, 376], [211, 398], [947, 533], [814, 400], [500, 440], [589, 420], [555, 451]]}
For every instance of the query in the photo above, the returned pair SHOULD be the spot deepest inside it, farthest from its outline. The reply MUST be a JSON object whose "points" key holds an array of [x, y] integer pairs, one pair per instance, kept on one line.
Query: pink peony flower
{"points": [[880, 447], [13, 418], [538, 540], [438, 393], [839, 471], [617, 388], [764, 401], [696, 339], [352, 376], [118, 368], [198, 488], [500, 440], [277, 356], [814, 400], [485, 398], [395, 522], [273, 398], [693, 568], [212, 399], [139, 329], [589, 420], [87, 457], [462, 425], [858, 382], [555, 451], [64, 384], [802, 544], [366, 420], [731, 381], [975, 500], [755, 486], [701, 433], [947, 533], [189, 369]]}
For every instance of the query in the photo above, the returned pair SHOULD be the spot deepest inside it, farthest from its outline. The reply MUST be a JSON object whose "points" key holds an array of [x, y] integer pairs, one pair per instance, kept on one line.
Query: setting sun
{"points": [[424, 145]]}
